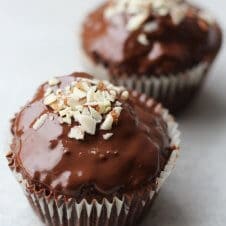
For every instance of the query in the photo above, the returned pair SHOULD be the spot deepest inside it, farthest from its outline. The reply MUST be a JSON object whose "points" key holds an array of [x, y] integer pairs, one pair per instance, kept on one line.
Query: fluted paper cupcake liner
{"points": [[127, 210], [174, 91]]}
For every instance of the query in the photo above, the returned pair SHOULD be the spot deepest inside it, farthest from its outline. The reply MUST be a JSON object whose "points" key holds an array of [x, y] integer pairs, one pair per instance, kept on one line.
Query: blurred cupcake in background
{"points": [[163, 48], [89, 153]]}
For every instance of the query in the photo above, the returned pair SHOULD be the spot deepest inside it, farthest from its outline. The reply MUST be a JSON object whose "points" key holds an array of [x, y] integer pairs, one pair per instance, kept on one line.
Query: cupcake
{"points": [[87, 152], [163, 48]]}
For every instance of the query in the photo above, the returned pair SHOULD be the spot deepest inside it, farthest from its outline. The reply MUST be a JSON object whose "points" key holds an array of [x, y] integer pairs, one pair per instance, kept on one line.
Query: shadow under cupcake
{"points": [[89, 153], [161, 48]]}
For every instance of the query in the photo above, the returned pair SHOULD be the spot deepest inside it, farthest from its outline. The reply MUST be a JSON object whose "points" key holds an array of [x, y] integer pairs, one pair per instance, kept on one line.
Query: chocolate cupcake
{"points": [[89, 153], [163, 48]]}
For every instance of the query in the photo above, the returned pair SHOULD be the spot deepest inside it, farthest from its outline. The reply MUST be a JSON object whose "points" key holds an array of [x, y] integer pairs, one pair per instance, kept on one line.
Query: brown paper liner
{"points": [[127, 210], [174, 91]]}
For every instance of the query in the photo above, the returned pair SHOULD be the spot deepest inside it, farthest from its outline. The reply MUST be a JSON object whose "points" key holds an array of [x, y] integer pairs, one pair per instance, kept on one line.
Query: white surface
{"points": [[38, 41]]}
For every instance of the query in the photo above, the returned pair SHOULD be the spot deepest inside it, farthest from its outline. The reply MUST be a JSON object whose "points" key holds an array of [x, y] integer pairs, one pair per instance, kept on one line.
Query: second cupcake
{"points": [[163, 48]]}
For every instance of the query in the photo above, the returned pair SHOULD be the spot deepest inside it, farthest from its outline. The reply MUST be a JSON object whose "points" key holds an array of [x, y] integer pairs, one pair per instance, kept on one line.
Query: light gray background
{"points": [[38, 41]]}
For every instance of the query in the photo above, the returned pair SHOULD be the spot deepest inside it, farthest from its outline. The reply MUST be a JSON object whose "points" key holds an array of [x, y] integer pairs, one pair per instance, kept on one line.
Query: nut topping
{"points": [[88, 102]]}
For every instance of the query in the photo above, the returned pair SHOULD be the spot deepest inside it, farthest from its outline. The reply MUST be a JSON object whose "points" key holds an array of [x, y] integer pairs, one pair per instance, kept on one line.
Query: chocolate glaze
{"points": [[134, 156], [171, 49]]}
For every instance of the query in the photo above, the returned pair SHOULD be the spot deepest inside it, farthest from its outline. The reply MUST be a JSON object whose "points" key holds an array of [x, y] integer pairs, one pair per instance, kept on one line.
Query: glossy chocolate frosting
{"points": [[172, 48], [133, 157]]}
